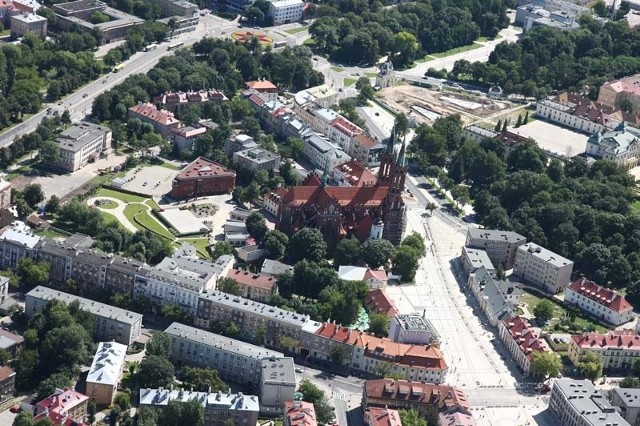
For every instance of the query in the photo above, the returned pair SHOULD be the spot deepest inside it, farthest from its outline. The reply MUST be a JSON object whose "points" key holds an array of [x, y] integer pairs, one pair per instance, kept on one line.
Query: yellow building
{"points": [[105, 372]]}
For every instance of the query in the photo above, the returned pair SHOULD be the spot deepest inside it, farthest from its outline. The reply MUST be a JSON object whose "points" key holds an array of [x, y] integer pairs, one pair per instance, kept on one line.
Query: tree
{"points": [[53, 204], [600, 8], [416, 242], [154, 372], [430, 207], [625, 105], [146, 416], [123, 400], [5, 356], [275, 243], [221, 248], [307, 243], [504, 126], [178, 413], [400, 126], [545, 364], [378, 324], [386, 369], [339, 354], [377, 252], [590, 366], [92, 409], [56, 381], [24, 418], [159, 344], [203, 380], [313, 394], [256, 226], [543, 311], [347, 252], [229, 285], [526, 118], [33, 273], [519, 121], [66, 348], [366, 90], [411, 418], [406, 262], [33, 195], [630, 382], [49, 153], [498, 126]]}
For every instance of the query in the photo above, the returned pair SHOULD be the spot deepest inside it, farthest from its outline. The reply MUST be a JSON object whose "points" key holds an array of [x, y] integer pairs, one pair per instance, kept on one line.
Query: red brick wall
{"points": [[212, 185]]}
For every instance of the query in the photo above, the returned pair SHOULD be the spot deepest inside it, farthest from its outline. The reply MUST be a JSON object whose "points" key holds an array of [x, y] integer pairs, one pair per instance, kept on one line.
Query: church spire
{"points": [[402, 160]]}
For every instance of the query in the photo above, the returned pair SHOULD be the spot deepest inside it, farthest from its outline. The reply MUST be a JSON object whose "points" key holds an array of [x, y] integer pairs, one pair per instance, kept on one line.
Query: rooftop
{"points": [[8, 339], [107, 363], [415, 322], [487, 133], [377, 301], [186, 271], [249, 279], [629, 84], [257, 155], [478, 258], [28, 18], [6, 372], [278, 370], [618, 141], [491, 291], [275, 268], [629, 396], [616, 339], [525, 337], [544, 254], [456, 419], [495, 235], [75, 6], [91, 306], [587, 402], [216, 400], [181, 331], [300, 413], [326, 114], [601, 295], [444, 397], [59, 404], [201, 168], [19, 233], [378, 416], [151, 113], [356, 174], [260, 85]]}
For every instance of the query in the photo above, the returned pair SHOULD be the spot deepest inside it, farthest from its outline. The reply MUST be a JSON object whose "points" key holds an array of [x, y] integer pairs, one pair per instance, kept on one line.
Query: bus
{"points": [[282, 43], [118, 67], [151, 47], [175, 45]]}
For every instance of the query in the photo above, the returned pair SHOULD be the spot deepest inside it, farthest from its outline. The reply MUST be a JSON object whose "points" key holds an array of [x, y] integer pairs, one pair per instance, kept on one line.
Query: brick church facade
{"points": [[365, 212]]}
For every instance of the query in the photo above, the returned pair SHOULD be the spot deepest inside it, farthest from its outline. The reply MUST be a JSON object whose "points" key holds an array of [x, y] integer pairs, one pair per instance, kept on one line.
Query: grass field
{"points": [[457, 50], [635, 207], [201, 245], [349, 82], [50, 233], [127, 198], [297, 30], [485, 39], [139, 216], [337, 69]]}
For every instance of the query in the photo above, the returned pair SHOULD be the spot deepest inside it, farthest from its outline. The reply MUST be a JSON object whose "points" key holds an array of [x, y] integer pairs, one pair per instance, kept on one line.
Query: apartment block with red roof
{"points": [[601, 302], [163, 121], [256, 287], [299, 413], [180, 101], [201, 178], [65, 407], [428, 399], [377, 416], [618, 349], [378, 302], [266, 88], [521, 340]]}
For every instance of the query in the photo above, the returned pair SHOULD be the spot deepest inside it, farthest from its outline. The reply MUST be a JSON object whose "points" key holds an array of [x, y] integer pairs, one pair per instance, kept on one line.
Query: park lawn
{"points": [[201, 245], [51, 233], [456, 50], [485, 39], [337, 69], [151, 203], [127, 198], [310, 42], [139, 216], [635, 207], [371, 74], [296, 30], [348, 82]]}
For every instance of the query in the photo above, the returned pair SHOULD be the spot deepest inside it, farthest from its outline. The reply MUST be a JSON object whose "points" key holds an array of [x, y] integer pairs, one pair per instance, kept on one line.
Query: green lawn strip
{"points": [[296, 30], [127, 198], [50, 233], [349, 82], [310, 42], [456, 50], [151, 203], [111, 219], [139, 216], [337, 69]]}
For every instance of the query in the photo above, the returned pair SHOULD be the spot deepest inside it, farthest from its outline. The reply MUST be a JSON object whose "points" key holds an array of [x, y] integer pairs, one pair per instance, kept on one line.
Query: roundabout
{"points": [[244, 36]]}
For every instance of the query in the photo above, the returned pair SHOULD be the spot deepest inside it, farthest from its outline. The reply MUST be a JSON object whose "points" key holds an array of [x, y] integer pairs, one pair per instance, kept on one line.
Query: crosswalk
{"points": [[340, 395]]}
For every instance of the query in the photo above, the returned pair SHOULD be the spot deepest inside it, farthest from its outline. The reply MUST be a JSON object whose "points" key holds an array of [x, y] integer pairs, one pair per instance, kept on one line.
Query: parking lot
{"points": [[153, 181], [554, 138]]}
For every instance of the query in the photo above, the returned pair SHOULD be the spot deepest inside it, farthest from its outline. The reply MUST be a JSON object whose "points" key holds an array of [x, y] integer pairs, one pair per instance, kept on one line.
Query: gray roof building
{"points": [[495, 235], [578, 403], [627, 402], [275, 268]]}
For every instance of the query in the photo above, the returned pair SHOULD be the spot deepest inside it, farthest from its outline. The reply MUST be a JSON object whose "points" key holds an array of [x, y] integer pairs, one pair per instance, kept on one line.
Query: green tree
{"points": [[625, 104], [366, 90], [33, 195], [347, 252], [5, 356], [406, 47], [406, 263], [221, 248], [53, 204], [154, 372], [313, 394], [430, 207], [159, 344], [386, 369], [123, 400], [526, 118], [146, 416], [400, 126], [339, 355], [378, 324], [275, 243], [377, 252], [49, 153], [99, 18], [66, 348], [56, 381], [256, 226], [543, 311], [498, 126], [33, 273], [23, 418], [14, 280], [411, 418], [26, 367], [630, 382], [416, 242], [545, 364], [309, 244], [229, 285], [178, 413], [590, 366], [519, 121]]}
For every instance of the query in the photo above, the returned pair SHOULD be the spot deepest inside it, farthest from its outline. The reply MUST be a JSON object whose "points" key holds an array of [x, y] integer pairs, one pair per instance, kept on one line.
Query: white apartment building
{"points": [[179, 280], [235, 361], [478, 134], [618, 349], [413, 328], [601, 302], [578, 403], [321, 152], [474, 259], [501, 246], [521, 340], [286, 11], [277, 384], [24, 23], [621, 145], [82, 144], [543, 268], [105, 372], [17, 241], [111, 323]]}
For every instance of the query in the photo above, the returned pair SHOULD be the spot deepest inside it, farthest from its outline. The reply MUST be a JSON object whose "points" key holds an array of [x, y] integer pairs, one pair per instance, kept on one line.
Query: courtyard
{"points": [[553, 138]]}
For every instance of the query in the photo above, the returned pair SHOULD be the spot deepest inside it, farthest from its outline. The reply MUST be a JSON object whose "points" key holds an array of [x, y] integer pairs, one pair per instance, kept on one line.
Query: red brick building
{"points": [[201, 178]]}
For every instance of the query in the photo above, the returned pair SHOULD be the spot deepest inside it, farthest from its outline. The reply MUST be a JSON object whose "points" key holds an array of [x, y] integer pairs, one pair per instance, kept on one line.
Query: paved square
{"points": [[554, 138], [183, 221], [154, 181]]}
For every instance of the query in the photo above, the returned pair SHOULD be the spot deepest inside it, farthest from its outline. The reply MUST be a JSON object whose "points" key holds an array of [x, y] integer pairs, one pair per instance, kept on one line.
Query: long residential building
{"points": [[543, 268], [521, 340], [428, 399], [251, 316], [501, 246], [252, 286], [111, 323], [492, 296], [365, 351], [619, 350], [235, 361], [577, 112], [601, 302], [219, 407], [16, 241], [627, 402], [105, 372], [578, 403]]}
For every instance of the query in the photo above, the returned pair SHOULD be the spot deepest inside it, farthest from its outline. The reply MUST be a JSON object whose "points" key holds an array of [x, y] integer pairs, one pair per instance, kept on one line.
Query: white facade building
{"points": [[543, 268], [321, 152], [277, 384], [286, 11], [601, 302], [413, 328], [82, 144], [500, 246], [578, 403]]}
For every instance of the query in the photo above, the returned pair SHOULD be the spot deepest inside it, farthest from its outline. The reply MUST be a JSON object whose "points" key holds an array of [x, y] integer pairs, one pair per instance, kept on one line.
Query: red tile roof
{"points": [[345, 126], [57, 406], [151, 113], [377, 416], [379, 274], [586, 108], [256, 100], [366, 140], [201, 167], [363, 196], [601, 295], [525, 337], [356, 174], [261, 85], [446, 398], [6, 372], [249, 279], [299, 413], [377, 301], [616, 339]]}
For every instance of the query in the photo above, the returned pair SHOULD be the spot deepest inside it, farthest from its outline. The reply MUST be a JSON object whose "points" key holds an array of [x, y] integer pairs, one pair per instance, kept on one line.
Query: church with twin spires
{"points": [[363, 212]]}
